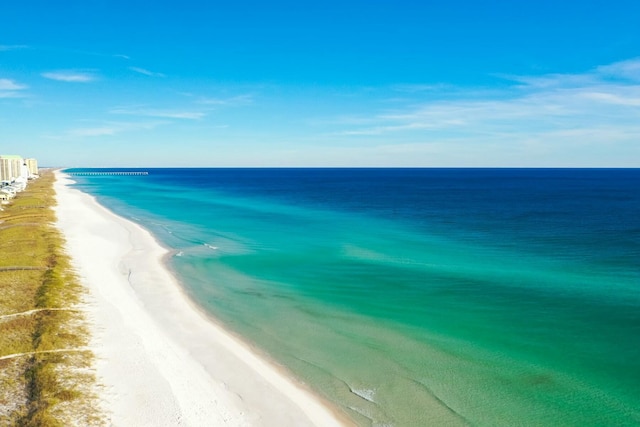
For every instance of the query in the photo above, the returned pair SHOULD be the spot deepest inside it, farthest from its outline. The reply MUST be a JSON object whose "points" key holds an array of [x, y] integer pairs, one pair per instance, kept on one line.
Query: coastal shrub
{"points": [[15, 335], [18, 290], [49, 384], [13, 390]]}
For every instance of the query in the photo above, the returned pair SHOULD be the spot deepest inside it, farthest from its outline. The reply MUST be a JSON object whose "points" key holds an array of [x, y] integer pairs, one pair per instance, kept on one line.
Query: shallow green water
{"points": [[418, 298]]}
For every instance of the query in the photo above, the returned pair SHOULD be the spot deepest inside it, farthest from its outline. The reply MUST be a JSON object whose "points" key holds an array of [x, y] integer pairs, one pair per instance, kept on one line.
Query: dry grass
{"points": [[13, 390], [18, 290], [41, 389]]}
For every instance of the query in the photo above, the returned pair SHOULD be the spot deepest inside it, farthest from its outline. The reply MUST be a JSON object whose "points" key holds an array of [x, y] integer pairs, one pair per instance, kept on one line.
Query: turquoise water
{"points": [[417, 297]]}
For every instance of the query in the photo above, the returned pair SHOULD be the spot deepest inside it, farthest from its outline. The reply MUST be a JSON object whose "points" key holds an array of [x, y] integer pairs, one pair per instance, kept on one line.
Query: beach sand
{"points": [[160, 361]]}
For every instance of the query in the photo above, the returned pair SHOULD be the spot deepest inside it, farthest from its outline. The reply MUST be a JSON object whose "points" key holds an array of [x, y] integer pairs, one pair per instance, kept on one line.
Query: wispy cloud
{"points": [[541, 117], [238, 100], [121, 56], [7, 84], [414, 88], [109, 128], [10, 94], [146, 72], [11, 89], [4, 47], [72, 76], [553, 101], [629, 69], [624, 72], [151, 112], [606, 97]]}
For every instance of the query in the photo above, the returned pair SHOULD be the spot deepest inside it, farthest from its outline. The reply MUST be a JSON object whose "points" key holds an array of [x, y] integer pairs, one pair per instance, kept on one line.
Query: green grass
{"points": [[41, 389]]}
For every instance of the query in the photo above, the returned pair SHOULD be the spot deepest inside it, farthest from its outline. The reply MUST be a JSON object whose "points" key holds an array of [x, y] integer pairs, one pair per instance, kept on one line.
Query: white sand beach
{"points": [[161, 361]]}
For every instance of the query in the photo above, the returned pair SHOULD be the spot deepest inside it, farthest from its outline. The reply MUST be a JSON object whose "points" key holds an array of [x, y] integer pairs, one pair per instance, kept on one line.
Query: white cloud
{"points": [[150, 112], [414, 88], [10, 94], [70, 76], [632, 100], [109, 129], [629, 69], [11, 89], [95, 131], [233, 101], [7, 84], [146, 72], [551, 101], [4, 47], [539, 120]]}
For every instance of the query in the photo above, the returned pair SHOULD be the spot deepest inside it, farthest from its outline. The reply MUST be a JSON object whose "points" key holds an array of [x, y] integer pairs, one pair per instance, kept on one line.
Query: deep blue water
{"points": [[417, 296]]}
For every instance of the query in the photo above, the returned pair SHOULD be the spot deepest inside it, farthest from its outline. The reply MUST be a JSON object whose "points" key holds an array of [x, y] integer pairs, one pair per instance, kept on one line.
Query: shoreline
{"points": [[160, 359]]}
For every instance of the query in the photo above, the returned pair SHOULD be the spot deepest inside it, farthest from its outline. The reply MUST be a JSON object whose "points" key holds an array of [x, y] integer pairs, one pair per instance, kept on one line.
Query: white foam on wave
{"points": [[180, 253], [365, 393], [211, 247]]}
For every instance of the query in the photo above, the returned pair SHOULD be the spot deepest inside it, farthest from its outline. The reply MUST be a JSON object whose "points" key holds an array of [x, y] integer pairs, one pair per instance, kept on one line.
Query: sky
{"points": [[457, 83]]}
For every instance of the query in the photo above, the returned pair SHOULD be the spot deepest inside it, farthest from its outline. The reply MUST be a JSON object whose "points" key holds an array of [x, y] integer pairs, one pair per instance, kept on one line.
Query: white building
{"points": [[13, 167], [32, 167]]}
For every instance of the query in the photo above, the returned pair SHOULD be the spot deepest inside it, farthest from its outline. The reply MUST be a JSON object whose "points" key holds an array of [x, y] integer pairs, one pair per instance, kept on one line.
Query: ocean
{"points": [[416, 297]]}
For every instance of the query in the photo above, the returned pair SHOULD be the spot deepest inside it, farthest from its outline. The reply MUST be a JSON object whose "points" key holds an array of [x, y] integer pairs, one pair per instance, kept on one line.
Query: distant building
{"points": [[10, 167], [32, 167], [13, 167], [5, 170]]}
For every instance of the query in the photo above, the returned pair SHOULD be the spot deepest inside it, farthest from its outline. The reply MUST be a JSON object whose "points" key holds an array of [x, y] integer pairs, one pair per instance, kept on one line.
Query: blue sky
{"points": [[350, 83]]}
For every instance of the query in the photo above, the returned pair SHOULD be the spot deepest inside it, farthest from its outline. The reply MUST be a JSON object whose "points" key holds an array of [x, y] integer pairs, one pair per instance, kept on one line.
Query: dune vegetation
{"points": [[46, 377]]}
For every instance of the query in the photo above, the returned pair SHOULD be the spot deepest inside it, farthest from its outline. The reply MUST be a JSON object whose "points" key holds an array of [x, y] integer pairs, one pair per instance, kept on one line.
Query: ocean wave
{"points": [[365, 393]]}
